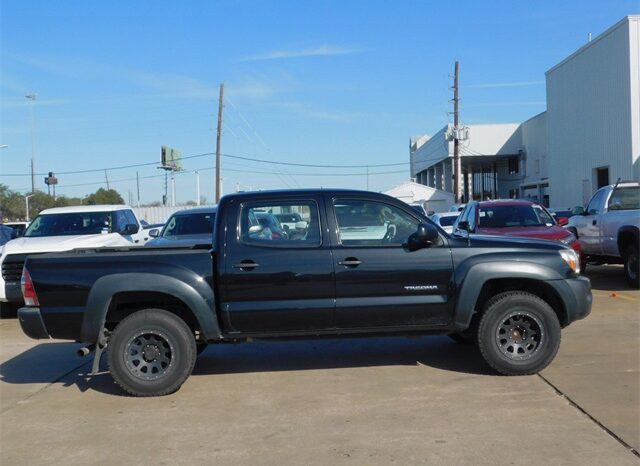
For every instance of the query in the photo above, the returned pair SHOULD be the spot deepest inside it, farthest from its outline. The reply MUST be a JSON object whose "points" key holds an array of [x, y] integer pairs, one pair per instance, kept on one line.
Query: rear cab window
{"points": [[625, 198]]}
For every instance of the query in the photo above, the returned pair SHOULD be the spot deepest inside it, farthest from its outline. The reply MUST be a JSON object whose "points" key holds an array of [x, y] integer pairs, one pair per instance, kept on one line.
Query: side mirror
{"points": [[254, 229], [562, 221], [154, 232], [464, 226], [424, 237], [130, 229]]}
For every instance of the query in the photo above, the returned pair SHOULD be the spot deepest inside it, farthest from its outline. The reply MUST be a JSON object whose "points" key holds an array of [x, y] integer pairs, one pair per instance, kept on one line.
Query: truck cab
{"points": [[608, 227]]}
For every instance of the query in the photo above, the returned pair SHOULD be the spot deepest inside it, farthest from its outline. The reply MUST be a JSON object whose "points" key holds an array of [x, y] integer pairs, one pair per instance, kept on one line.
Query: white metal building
{"points": [[432, 199], [490, 159], [588, 137], [593, 113]]}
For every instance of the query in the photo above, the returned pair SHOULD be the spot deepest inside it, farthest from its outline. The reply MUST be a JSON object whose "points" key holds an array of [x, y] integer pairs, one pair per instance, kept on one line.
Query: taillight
{"points": [[28, 291]]}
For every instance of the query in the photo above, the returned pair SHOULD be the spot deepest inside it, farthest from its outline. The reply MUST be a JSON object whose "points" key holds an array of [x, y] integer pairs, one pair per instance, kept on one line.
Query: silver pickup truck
{"points": [[608, 227]]}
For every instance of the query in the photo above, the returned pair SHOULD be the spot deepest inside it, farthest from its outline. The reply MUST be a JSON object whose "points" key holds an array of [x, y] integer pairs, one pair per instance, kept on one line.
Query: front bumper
{"points": [[576, 296], [31, 322]]}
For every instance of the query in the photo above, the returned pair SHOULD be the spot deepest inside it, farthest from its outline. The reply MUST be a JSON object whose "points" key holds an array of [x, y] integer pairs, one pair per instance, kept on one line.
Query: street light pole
{"points": [[31, 97], [26, 201]]}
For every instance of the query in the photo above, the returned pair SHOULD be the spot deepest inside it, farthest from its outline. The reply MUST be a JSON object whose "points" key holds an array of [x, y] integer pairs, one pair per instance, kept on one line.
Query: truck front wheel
{"points": [[632, 266], [519, 333], [151, 353]]}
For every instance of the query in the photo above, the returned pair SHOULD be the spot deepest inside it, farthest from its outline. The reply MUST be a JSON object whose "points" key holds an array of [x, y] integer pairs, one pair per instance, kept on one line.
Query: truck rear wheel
{"points": [[519, 333], [632, 266], [151, 353]]}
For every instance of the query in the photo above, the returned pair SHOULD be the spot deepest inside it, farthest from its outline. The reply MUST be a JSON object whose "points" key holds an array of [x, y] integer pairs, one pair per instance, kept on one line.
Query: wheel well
{"points": [[536, 287], [126, 303], [626, 238]]}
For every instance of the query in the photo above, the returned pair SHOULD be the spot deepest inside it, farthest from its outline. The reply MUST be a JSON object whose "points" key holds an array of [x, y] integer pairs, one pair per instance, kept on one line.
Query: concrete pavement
{"points": [[423, 400]]}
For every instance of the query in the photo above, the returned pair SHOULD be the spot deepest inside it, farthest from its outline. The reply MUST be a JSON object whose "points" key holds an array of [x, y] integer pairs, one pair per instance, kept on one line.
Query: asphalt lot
{"points": [[422, 400]]}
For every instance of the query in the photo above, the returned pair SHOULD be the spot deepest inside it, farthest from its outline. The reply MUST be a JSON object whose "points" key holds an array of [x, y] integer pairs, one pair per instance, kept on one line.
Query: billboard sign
{"points": [[170, 158]]}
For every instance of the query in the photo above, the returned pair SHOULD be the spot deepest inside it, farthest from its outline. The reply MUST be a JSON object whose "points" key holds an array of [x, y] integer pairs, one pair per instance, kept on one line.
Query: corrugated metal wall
{"points": [[589, 108]]}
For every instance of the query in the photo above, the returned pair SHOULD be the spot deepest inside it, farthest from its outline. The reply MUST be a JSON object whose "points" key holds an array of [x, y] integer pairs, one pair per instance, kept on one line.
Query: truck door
{"points": [[378, 282], [588, 226], [276, 280]]}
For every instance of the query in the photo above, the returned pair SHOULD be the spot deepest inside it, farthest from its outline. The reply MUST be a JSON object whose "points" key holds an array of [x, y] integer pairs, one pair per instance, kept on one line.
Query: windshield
{"points": [[72, 223], [505, 216], [447, 221], [189, 224]]}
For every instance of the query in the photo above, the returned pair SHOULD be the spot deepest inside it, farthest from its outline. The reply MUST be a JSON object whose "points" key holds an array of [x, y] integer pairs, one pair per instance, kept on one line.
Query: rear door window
{"points": [[259, 224]]}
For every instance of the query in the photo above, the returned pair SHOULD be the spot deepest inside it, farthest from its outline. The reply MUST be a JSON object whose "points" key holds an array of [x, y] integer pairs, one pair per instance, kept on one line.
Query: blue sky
{"points": [[327, 82]]}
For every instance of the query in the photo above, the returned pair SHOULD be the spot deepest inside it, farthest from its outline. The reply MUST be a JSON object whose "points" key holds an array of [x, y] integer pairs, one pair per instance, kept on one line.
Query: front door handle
{"points": [[350, 262], [594, 222], [246, 265]]}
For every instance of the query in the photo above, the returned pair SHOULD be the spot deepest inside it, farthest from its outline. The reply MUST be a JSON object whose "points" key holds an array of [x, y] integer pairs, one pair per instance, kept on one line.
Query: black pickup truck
{"points": [[357, 263]]}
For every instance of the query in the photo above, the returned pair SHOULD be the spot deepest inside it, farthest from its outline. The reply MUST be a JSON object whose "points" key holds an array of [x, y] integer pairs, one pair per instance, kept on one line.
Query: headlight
{"points": [[568, 240], [571, 258]]}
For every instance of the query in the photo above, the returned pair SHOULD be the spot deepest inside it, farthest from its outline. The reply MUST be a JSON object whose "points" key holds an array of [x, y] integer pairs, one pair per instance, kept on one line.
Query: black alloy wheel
{"points": [[519, 333], [151, 353]]}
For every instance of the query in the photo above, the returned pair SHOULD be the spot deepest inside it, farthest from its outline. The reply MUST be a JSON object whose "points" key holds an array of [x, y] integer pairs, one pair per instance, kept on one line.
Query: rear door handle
{"points": [[594, 222], [350, 262], [246, 265]]}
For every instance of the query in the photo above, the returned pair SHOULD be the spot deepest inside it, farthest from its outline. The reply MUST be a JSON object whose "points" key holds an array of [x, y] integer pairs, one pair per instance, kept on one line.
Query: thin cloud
{"points": [[321, 51], [512, 84]]}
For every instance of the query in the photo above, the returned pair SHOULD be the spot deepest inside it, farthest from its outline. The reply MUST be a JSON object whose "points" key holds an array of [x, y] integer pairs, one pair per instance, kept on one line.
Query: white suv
{"points": [[63, 229]]}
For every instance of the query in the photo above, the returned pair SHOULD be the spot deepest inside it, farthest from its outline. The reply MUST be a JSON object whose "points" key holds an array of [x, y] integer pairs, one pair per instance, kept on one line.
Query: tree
{"points": [[104, 196]]}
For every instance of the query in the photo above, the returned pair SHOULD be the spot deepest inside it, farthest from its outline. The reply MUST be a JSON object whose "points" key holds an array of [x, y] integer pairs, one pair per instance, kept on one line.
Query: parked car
{"points": [[291, 221], [150, 226], [191, 226], [520, 218], [271, 225], [419, 207], [6, 234], [445, 220], [18, 227], [608, 228], [561, 213], [386, 271], [63, 229]]}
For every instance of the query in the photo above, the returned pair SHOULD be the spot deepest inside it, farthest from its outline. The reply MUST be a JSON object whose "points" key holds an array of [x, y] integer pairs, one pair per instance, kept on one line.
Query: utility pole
{"points": [[197, 187], [218, 142], [173, 188], [456, 142], [138, 187], [106, 178], [32, 98]]}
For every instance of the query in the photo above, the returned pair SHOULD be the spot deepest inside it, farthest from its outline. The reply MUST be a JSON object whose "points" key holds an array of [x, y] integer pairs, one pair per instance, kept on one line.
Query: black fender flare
{"points": [[196, 295], [480, 273], [633, 230]]}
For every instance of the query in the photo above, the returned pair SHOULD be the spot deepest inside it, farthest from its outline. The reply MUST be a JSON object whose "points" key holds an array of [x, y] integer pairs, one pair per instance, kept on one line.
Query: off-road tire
{"points": [[162, 333], [631, 267], [537, 321]]}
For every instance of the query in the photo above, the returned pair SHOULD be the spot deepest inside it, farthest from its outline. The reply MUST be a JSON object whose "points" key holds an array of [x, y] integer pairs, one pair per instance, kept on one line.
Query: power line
{"points": [[238, 157]]}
